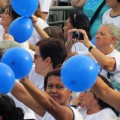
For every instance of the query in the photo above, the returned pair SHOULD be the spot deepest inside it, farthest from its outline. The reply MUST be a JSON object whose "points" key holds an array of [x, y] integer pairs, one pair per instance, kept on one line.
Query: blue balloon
{"points": [[99, 67], [25, 7], [21, 29], [19, 60], [7, 79], [79, 73]]}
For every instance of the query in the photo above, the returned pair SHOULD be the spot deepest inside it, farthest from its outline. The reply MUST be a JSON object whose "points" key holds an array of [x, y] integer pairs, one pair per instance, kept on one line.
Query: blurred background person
{"points": [[94, 10], [112, 15], [8, 109], [93, 108], [44, 8]]}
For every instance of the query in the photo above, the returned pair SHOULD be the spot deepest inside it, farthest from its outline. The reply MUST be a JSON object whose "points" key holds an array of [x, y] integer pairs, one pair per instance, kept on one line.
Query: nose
{"points": [[33, 60], [97, 36], [53, 90]]}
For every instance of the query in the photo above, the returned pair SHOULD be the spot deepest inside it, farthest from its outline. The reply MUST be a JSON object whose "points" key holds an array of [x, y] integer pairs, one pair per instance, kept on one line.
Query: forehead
{"points": [[54, 79], [104, 28], [37, 49]]}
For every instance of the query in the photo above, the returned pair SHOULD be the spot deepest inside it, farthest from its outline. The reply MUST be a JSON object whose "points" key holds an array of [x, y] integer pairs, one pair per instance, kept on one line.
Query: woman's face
{"points": [[103, 37], [68, 26], [87, 99], [57, 90], [112, 3], [6, 18]]}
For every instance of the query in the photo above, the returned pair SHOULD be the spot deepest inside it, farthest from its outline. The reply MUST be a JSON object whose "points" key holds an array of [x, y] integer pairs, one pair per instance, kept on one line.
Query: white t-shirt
{"points": [[64, 1], [108, 19], [35, 36], [29, 114], [45, 5], [77, 115], [23, 45], [37, 80], [80, 48], [116, 74], [105, 114]]}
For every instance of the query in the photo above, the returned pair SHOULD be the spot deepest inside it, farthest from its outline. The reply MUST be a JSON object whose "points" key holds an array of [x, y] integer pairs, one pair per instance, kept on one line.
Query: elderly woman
{"points": [[105, 54], [93, 108]]}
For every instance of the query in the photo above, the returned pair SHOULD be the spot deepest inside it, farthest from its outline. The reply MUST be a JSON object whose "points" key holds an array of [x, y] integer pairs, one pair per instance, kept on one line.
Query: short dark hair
{"points": [[118, 0], [53, 48], [54, 31], [8, 109], [80, 21], [55, 72]]}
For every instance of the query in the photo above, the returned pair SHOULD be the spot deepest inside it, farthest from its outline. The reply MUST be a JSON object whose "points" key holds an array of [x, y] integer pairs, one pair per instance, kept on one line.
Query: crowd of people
{"points": [[41, 95]]}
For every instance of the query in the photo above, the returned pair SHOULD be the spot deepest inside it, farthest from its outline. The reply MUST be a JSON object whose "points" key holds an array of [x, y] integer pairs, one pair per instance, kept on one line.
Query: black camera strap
{"points": [[97, 12]]}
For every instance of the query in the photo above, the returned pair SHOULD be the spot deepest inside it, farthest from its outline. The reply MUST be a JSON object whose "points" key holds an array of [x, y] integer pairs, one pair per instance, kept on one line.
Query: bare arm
{"points": [[58, 111], [104, 92], [44, 15], [40, 31], [107, 63], [78, 3], [22, 95]]}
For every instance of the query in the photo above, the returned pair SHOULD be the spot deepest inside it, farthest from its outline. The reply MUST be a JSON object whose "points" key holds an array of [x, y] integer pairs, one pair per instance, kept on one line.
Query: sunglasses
{"points": [[36, 56]]}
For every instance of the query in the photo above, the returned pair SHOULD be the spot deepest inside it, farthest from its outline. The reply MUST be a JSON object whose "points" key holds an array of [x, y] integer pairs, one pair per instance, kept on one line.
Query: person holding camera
{"points": [[76, 20], [105, 53], [94, 10]]}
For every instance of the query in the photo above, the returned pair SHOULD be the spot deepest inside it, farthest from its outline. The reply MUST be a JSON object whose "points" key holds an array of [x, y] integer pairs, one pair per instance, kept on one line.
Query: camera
{"points": [[77, 35]]}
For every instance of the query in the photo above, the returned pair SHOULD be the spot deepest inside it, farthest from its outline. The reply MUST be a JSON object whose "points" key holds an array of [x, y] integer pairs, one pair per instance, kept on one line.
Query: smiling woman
{"points": [[55, 100]]}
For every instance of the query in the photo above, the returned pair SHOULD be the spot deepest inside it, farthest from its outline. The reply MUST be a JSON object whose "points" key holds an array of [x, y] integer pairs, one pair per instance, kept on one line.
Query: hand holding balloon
{"points": [[21, 29], [25, 7], [7, 79], [19, 60], [79, 73]]}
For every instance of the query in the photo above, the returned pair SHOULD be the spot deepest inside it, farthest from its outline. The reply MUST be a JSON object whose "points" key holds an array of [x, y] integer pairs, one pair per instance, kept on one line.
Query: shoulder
{"points": [[48, 116], [114, 53], [107, 12], [76, 113], [108, 113]]}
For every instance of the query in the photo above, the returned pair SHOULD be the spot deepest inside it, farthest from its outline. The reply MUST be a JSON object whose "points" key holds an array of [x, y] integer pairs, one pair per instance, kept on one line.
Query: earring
{"points": [[111, 45]]}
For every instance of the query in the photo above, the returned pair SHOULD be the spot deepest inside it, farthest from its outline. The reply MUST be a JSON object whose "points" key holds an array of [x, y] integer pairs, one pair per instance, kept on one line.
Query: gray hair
{"points": [[5, 45], [114, 31]]}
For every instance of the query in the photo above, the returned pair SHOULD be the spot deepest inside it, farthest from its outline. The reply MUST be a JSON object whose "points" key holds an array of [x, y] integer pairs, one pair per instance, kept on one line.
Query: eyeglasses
{"points": [[36, 56]]}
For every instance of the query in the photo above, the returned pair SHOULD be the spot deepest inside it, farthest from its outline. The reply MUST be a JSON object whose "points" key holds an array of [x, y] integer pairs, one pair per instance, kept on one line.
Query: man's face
{"points": [[42, 66]]}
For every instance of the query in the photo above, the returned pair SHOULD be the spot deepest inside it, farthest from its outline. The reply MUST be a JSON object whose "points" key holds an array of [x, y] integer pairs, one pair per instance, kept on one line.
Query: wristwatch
{"points": [[91, 47]]}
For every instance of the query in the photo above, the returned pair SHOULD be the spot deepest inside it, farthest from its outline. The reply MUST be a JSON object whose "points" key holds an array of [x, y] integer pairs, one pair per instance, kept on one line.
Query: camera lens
{"points": [[75, 35], [80, 36]]}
